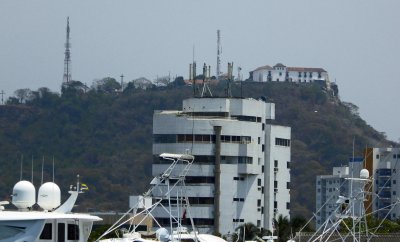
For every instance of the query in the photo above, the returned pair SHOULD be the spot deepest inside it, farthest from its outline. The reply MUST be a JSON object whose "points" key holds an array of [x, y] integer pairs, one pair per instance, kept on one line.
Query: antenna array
{"points": [[67, 58]]}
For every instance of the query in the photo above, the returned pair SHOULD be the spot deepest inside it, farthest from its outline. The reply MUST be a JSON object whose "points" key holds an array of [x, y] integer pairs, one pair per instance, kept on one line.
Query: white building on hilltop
{"points": [[282, 73], [241, 170]]}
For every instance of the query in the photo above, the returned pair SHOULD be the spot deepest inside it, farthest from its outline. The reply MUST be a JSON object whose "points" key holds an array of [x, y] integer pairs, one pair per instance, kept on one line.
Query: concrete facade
{"points": [[330, 187], [242, 162], [384, 165]]}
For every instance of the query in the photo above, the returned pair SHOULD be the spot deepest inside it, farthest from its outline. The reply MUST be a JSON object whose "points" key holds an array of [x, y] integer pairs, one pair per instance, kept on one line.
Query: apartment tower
{"points": [[241, 172]]}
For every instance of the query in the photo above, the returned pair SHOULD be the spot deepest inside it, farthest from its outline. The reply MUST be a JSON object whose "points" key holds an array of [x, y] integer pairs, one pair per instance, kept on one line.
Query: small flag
{"points": [[84, 187]]}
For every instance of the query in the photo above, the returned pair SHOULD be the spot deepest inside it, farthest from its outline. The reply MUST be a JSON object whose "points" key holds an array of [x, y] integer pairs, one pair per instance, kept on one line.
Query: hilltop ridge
{"points": [[106, 137]]}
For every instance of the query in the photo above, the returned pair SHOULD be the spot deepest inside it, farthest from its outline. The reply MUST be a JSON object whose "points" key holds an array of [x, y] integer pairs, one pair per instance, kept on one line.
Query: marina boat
{"points": [[165, 196], [50, 222]]}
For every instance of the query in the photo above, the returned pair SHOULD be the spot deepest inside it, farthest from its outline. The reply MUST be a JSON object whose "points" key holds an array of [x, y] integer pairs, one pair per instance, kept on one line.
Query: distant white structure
{"points": [[384, 165], [282, 73], [241, 171], [330, 187]]}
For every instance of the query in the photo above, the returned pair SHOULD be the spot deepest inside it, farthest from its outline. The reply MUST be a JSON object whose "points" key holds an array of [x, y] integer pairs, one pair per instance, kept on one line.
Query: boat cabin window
{"points": [[47, 232], [187, 240], [73, 232], [61, 232]]}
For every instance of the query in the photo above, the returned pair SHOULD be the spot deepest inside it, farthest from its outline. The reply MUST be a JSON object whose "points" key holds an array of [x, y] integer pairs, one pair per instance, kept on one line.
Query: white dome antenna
{"points": [[364, 174], [24, 195], [49, 196]]}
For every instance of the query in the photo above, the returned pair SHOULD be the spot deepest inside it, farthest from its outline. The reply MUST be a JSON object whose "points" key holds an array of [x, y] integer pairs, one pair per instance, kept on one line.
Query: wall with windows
{"points": [[277, 172], [243, 156], [386, 188], [281, 73]]}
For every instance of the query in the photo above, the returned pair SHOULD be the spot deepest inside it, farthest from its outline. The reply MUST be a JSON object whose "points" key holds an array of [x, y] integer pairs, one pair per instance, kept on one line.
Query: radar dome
{"points": [[162, 235], [364, 173], [24, 195], [49, 196]]}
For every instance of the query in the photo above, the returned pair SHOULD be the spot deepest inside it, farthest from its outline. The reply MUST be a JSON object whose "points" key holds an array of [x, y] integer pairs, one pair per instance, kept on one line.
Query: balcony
{"points": [[249, 169]]}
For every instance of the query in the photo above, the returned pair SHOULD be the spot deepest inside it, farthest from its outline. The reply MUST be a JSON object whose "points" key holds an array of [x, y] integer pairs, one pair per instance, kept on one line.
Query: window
{"points": [[199, 179], [287, 205], [288, 185], [259, 182], [394, 181], [288, 164], [258, 202], [263, 126], [377, 156], [245, 160], [275, 163], [394, 192], [259, 140], [238, 178], [282, 142], [275, 184], [61, 232], [262, 169], [236, 220], [280, 73], [263, 148], [275, 204], [47, 232], [237, 199]]}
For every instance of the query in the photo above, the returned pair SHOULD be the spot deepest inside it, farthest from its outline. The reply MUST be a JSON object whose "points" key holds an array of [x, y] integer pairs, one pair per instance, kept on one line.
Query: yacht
{"points": [[51, 221]]}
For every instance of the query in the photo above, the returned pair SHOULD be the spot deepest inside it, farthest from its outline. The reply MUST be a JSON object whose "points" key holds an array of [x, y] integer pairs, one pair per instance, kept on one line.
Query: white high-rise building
{"points": [[330, 187], [241, 172], [384, 165]]}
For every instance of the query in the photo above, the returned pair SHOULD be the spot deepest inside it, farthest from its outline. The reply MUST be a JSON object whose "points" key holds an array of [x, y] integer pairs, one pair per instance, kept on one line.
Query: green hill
{"points": [[106, 138]]}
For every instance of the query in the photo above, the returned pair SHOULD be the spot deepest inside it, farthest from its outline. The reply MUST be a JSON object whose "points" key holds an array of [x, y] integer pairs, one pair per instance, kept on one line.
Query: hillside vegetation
{"points": [[106, 138]]}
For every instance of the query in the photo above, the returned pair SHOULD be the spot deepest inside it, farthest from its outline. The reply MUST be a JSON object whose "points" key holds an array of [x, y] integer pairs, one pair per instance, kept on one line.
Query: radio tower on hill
{"points": [[67, 59], [219, 51]]}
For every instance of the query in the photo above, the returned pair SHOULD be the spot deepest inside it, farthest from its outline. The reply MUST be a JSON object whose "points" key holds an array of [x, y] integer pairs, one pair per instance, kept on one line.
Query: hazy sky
{"points": [[356, 41]]}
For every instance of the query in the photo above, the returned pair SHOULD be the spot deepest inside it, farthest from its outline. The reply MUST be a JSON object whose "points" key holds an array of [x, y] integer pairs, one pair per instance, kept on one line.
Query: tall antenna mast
{"points": [[219, 51], [67, 58], [20, 172], [53, 168], [122, 82], [2, 94], [32, 170], [41, 182]]}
